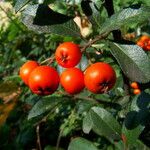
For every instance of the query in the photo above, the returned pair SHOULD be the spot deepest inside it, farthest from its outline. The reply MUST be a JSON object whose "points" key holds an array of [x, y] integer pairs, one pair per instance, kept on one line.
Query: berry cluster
{"points": [[135, 87], [44, 80], [144, 42]]}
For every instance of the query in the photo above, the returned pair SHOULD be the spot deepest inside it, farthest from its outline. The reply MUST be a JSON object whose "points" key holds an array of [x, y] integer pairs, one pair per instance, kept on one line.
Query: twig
{"points": [[38, 137], [95, 101], [97, 38], [50, 59], [58, 139]]}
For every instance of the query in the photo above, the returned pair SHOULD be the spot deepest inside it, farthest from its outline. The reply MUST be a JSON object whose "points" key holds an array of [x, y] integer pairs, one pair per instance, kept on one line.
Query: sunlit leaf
{"points": [[133, 61], [125, 17], [104, 123], [41, 18]]}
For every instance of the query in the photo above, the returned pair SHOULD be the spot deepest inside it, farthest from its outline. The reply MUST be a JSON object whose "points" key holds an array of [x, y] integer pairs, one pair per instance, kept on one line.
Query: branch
{"points": [[97, 38], [38, 137], [87, 45], [50, 59], [95, 101], [58, 139]]}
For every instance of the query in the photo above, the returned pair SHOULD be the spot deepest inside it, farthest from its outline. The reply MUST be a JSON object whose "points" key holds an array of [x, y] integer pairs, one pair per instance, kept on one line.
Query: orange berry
{"points": [[140, 43], [144, 38], [26, 70], [136, 91], [147, 48], [134, 85]]}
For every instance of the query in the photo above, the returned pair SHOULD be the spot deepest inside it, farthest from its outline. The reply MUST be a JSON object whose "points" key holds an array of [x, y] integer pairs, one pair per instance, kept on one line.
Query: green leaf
{"points": [[84, 106], [132, 135], [141, 102], [48, 147], [97, 12], [20, 4], [87, 123], [133, 61], [141, 146], [124, 17], [81, 144], [135, 120], [62, 7], [44, 105], [104, 123], [42, 19]]}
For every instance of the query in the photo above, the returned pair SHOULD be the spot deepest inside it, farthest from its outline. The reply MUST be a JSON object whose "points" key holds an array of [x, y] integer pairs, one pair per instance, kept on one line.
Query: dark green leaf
{"points": [[141, 146], [81, 144], [97, 12], [44, 105], [124, 17], [141, 102], [52, 148], [132, 135], [133, 61], [84, 106], [20, 4], [42, 19], [104, 123], [135, 120]]}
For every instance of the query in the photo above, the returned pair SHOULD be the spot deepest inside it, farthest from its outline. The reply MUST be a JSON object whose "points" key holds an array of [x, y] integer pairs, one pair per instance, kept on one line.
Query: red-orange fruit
{"points": [[44, 80], [99, 77], [26, 70]]}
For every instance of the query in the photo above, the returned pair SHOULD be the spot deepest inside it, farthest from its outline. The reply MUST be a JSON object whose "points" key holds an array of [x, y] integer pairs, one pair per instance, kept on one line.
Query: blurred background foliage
{"points": [[17, 45]]}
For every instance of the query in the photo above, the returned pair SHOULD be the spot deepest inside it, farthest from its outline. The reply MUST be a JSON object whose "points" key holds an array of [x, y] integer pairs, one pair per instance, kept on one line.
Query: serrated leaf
{"points": [[20, 4], [124, 17], [43, 106], [104, 123], [133, 61], [81, 144], [87, 124], [42, 19]]}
